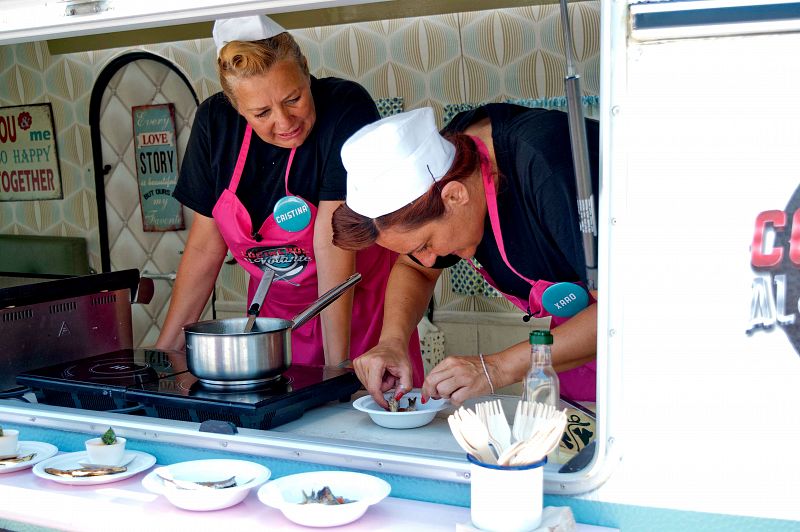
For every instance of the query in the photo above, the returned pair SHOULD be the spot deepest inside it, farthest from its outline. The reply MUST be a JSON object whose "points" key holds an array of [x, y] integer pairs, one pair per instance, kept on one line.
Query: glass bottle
{"points": [[541, 383]]}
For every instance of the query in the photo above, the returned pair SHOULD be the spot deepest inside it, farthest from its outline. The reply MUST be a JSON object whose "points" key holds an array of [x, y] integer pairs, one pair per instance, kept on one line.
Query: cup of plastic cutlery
{"points": [[506, 498]]}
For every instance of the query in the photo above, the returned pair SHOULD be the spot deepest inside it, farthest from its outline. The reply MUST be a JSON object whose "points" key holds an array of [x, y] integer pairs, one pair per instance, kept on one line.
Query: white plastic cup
{"points": [[9, 443], [102, 454], [506, 498]]}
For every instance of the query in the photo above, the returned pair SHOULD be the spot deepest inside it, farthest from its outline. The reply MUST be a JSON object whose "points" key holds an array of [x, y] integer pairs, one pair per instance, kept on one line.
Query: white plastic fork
{"points": [[529, 418], [475, 434], [482, 411], [541, 443], [520, 420], [456, 431], [497, 424]]}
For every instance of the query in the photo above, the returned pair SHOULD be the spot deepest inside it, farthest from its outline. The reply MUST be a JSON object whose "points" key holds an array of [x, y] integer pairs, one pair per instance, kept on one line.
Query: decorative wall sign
{"points": [[157, 166], [29, 166]]}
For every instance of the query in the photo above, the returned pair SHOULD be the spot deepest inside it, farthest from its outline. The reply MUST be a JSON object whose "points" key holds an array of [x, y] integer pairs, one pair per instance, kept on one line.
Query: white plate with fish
{"points": [[29, 453], [203, 485], [324, 498], [71, 468], [411, 412]]}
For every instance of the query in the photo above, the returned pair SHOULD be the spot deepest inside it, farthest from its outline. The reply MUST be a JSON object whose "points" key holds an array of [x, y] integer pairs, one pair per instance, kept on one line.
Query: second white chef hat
{"points": [[394, 161]]}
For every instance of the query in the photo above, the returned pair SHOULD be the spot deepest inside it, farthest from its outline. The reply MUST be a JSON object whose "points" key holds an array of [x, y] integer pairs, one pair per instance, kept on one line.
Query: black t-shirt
{"points": [[317, 174], [537, 195]]}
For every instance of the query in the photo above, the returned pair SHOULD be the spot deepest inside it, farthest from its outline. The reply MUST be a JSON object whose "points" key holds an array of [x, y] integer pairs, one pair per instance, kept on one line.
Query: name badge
{"points": [[292, 214], [564, 300]]}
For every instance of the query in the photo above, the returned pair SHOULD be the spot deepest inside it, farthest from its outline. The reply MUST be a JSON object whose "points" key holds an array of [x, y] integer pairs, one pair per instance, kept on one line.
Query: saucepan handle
{"points": [[324, 300]]}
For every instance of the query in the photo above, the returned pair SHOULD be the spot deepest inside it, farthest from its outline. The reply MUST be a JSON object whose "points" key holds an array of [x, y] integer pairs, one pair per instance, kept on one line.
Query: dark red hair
{"points": [[353, 231]]}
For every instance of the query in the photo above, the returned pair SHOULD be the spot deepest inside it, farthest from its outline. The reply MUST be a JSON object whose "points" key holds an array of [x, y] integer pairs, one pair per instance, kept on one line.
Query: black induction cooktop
{"points": [[156, 383]]}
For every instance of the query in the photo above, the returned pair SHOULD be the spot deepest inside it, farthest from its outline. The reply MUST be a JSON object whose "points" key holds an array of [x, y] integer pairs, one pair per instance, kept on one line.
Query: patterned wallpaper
{"points": [[438, 60]]}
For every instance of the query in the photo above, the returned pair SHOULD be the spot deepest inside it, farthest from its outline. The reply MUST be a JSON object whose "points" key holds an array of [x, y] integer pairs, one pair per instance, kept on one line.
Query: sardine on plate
{"points": [[84, 471], [191, 485], [17, 460]]}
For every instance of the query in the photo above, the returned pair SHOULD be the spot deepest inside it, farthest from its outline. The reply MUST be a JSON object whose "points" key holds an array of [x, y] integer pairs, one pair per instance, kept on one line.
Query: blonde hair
{"points": [[244, 59]]}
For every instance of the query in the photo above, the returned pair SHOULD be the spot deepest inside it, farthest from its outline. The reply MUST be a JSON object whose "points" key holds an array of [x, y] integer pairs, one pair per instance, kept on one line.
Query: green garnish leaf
{"points": [[109, 438]]}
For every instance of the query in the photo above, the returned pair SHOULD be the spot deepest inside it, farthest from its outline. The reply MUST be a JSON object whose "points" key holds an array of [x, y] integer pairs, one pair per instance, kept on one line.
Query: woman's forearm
{"points": [[574, 344], [202, 258], [408, 293], [334, 265], [575, 341], [510, 365]]}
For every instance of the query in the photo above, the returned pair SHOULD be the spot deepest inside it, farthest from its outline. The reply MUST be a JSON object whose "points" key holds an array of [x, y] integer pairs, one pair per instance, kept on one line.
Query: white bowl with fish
{"points": [[410, 412], [204, 485], [324, 498]]}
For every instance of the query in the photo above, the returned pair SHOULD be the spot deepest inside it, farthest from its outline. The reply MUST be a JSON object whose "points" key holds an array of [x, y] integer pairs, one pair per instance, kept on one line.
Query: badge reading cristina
{"points": [[157, 166], [29, 168]]}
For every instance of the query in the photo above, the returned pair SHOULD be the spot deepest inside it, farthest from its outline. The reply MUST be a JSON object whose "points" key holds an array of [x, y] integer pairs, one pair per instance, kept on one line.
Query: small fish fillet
{"points": [[191, 485], [17, 460], [217, 484], [84, 471]]}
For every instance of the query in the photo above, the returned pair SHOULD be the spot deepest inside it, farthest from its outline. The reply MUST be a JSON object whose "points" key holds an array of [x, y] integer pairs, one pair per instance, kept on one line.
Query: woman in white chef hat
{"points": [[498, 187], [263, 173]]}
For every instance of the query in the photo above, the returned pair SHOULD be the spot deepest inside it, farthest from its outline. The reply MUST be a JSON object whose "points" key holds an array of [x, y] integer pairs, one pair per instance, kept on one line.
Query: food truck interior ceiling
{"points": [[68, 34]]}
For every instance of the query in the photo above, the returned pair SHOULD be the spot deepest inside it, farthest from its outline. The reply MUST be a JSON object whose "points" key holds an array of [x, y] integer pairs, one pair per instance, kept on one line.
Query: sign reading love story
{"points": [[157, 166], [29, 168]]}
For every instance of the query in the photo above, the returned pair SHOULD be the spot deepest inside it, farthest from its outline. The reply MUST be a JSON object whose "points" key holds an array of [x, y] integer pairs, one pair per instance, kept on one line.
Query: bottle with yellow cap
{"points": [[541, 382]]}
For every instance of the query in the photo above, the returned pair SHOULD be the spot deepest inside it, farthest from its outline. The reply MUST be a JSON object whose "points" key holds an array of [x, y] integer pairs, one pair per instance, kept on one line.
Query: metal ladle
{"points": [[258, 299]]}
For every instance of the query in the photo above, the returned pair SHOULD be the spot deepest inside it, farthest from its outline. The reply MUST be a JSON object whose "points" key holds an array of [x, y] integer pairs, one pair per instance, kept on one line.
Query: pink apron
{"points": [[291, 255], [579, 383]]}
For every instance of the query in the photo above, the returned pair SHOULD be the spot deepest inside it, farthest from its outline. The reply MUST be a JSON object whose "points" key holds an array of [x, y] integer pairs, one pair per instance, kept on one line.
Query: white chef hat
{"points": [[252, 28], [394, 161]]}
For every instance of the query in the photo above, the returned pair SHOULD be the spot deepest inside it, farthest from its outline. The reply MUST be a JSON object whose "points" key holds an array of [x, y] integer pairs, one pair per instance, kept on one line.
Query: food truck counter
{"points": [[332, 437]]}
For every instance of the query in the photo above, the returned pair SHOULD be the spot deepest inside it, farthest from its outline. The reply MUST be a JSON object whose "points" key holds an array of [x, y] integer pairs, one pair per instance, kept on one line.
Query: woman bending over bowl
{"points": [[498, 186]]}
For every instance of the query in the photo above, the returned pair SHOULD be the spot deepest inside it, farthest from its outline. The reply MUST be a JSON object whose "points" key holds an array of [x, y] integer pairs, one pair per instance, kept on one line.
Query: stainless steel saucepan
{"points": [[218, 353]]}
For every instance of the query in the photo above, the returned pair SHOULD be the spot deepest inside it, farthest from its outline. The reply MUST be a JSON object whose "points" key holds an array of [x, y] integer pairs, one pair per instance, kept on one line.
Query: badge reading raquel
{"points": [[292, 214]]}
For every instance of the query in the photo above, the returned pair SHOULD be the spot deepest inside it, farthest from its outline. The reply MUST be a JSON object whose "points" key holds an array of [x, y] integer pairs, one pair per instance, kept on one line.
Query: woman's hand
{"points": [[457, 378], [384, 367]]}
